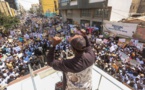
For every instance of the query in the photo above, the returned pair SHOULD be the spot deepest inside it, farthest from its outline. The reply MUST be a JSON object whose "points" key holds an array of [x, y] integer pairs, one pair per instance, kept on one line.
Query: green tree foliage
{"points": [[7, 21]]}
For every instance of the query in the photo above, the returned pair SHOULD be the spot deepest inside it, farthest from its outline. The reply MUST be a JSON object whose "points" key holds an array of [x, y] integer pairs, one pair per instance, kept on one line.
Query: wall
{"points": [[63, 13], [13, 12], [76, 16], [5, 8], [140, 33], [120, 9], [135, 5], [142, 7], [48, 5]]}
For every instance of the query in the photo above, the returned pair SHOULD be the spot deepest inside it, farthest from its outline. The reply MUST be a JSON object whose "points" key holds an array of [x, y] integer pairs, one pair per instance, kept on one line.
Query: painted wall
{"points": [[49, 6], [5, 8], [140, 33], [120, 9]]}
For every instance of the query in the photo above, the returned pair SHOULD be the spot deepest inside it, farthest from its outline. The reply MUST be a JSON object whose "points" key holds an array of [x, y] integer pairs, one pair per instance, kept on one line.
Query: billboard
{"points": [[119, 28]]}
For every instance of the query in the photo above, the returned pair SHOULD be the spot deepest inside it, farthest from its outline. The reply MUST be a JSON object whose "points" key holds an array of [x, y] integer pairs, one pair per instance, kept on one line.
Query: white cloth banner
{"points": [[26, 36], [123, 57], [10, 40], [139, 46], [17, 49], [122, 40], [119, 28], [98, 41]]}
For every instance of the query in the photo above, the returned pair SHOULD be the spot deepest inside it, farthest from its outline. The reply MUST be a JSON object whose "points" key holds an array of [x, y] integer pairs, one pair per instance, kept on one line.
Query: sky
{"points": [[27, 3]]}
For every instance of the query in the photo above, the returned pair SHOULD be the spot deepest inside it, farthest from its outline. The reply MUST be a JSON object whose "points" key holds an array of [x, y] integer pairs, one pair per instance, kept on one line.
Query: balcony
{"points": [[46, 79]]}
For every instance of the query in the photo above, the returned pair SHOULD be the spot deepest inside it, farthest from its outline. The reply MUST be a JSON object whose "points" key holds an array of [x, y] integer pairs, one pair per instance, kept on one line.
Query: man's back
{"points": [[80, 81]]}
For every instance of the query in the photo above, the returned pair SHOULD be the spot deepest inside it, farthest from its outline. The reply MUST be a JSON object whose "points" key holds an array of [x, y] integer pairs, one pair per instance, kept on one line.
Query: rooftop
{"points": [[47, 77]]}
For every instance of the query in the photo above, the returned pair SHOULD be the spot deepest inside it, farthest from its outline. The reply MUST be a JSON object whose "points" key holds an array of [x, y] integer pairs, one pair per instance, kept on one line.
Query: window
{"points": [[106, 13], [99, 13], [85, 13]]}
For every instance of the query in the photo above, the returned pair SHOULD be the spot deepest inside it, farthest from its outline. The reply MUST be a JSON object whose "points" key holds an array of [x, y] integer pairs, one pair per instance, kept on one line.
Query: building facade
{"points": [[35, 7], [134, 6], [49, 6], [141, 8], [5, 8], [13, 4], [94, 11]]}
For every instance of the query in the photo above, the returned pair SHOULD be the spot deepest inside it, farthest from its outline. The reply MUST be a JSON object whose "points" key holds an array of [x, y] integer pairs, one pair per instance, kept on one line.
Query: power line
{"points": [[120, 10], [118, 14]]}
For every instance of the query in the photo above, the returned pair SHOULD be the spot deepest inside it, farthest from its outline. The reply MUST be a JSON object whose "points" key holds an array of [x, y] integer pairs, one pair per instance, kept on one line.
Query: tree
{"points": [[7, 21]]}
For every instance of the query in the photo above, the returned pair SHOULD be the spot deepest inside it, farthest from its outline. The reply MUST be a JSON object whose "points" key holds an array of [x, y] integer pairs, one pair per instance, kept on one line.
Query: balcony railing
{"points": [[46, 79]]}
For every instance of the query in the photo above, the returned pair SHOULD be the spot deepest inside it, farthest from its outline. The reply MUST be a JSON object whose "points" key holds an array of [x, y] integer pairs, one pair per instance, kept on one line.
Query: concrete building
{"points": [[141, 8], [91, 11], [13, 12], [13, 4], [49, 6], [5, 8], [134, 6], [35, 7]]}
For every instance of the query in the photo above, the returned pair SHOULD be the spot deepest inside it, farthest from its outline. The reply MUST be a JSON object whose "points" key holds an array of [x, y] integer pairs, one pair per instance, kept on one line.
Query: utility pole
{"points": [[103, 10], [32, 77]]}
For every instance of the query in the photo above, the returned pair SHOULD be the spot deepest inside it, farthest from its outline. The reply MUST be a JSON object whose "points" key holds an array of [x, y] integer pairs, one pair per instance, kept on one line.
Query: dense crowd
{"points": [[124, 63], [29, 44]]}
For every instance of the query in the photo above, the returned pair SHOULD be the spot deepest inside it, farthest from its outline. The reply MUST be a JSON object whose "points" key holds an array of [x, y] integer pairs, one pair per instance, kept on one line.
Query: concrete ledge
{"points": [[46, 73]]}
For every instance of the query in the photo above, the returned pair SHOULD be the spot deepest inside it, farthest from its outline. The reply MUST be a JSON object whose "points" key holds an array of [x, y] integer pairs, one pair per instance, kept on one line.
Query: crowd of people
{"points": [[29, 44], [125, 63]]}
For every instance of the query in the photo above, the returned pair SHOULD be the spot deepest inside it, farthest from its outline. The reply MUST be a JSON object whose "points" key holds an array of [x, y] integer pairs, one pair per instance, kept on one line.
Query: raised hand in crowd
{"points": [[56, 41]]}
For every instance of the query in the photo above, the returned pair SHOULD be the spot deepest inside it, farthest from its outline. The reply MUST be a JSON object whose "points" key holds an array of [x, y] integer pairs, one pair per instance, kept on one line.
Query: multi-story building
{"points": [[35, 7], [5, 8], [134, 7], [141, 8], [91, 11], [13, 4], [49, 6], [13, 12]]}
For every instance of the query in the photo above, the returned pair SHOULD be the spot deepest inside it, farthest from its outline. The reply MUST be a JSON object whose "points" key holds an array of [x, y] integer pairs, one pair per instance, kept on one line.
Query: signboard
{"points": [[98, 41], [58, 28], [139, 46], [124, 57], [10, 40], [122, 40], [134, 63], [119, 28], [100, 36]]}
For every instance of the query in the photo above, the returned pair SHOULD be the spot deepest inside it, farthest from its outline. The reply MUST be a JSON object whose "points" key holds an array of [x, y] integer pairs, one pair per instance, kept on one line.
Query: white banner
{"points": [[119, 28], [139, 46], [122, 40]]}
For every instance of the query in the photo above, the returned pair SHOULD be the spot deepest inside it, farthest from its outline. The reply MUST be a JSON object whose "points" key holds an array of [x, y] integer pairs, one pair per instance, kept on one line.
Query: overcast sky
{"points": [[27, 3]]}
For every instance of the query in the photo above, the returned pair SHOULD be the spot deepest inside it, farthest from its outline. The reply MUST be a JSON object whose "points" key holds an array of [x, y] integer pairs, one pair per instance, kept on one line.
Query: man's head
{"points": [[78, 43]]}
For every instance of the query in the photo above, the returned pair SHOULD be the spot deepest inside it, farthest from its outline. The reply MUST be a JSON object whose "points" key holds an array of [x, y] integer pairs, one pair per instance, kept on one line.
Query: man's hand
{"points": [[56, 40]]}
